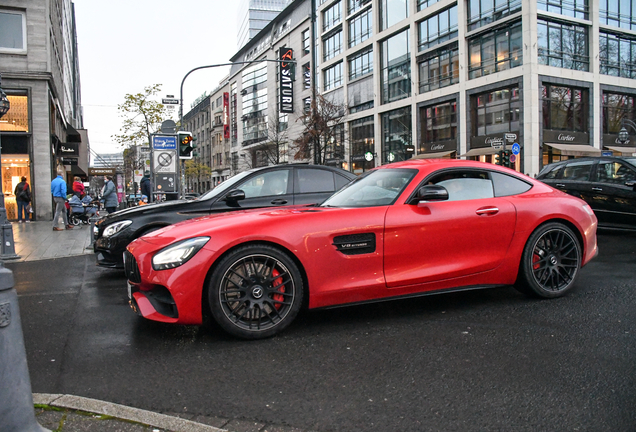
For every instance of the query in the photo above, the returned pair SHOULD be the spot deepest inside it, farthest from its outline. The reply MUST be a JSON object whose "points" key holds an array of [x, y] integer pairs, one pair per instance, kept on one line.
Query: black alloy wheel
{"points": [[255, 292], [550, 262]]}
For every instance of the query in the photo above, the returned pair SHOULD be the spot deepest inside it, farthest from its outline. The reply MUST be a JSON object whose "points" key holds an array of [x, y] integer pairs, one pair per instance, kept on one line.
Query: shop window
{"points": [[564, 108], [616, 108], [17, 118], [362, 145], [397, 143], [496, 112], [439, 124]]}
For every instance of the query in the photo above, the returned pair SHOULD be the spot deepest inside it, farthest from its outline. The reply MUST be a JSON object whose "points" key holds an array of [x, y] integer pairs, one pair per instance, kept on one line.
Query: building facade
{"points": [[254, 15], [43, 130]]}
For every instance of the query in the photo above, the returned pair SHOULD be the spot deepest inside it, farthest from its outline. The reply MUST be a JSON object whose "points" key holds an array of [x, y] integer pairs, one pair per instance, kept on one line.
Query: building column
{"points": [[532, 152]]}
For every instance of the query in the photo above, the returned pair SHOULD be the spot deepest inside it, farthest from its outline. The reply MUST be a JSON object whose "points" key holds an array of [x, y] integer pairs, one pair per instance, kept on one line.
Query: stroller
{"points": [[80, 212]]}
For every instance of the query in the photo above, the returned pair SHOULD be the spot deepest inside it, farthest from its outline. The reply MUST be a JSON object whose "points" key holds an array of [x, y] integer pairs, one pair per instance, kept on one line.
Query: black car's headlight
{"points": [[178, 253], [113, 229]]}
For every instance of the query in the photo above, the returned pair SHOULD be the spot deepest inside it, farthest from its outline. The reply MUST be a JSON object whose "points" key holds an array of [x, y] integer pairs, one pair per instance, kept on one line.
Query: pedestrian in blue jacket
{"points": [[58, 190]]}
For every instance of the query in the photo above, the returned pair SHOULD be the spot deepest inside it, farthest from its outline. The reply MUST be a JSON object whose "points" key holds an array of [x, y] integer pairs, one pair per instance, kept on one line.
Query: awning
{"points": [[433, 155], [575, 149], [629, 150], [480, 152], [77, 171]]}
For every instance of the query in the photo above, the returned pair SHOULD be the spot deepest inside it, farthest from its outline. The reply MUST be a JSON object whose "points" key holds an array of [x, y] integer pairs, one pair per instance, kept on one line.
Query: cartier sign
{"points": [[552, 136]]}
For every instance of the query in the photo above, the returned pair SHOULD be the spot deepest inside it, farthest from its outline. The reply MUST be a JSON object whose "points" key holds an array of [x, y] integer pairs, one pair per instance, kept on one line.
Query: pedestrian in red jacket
{"points": [[78, 187]]}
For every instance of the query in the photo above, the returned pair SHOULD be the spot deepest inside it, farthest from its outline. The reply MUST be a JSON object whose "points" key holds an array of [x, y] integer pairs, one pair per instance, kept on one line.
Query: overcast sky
{"points": [[126, 45]]}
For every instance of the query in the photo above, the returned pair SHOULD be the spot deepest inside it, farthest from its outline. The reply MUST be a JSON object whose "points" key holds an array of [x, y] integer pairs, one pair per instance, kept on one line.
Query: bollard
{"points": [[16, 410], [8, 246]]}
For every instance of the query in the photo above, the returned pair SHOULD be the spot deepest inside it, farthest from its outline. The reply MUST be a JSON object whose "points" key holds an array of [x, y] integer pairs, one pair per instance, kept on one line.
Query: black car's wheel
{"points": [[255, 292], [550, 262]]}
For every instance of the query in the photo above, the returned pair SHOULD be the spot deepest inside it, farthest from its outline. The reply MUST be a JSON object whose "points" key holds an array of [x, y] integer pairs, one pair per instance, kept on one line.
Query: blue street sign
{"points": [[164, 142], [607, 153], [516, 148]]}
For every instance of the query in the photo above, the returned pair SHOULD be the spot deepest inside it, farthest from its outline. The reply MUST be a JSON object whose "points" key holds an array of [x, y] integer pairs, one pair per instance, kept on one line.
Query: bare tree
{"points": [[323, 135]]}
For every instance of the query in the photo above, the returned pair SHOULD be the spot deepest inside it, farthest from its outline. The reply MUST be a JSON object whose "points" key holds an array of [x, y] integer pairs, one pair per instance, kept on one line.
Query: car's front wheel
{"points": [[550, 262], [255, 292]]}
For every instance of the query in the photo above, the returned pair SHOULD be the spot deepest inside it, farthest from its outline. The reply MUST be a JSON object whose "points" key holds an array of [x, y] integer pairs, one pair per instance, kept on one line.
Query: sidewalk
{"points": [[37, 240]]}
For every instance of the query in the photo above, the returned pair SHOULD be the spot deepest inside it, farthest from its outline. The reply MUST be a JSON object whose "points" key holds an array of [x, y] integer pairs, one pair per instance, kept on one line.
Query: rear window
{"points": [[506, 185], [315, 180], [550, 173]]}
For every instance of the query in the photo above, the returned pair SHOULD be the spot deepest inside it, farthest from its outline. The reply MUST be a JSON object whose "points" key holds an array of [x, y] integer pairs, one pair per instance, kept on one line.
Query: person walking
{"points": [[78, 187], [23, 198], [110, 196], [146, 188], [58, 190]]}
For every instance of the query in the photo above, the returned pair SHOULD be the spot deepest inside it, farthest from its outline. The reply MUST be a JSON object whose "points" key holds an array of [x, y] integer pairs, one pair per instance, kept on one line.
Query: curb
{"points": [[122, 412]]}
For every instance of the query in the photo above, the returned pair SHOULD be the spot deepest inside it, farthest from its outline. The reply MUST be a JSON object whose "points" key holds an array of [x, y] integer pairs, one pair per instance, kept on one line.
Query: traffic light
{"points": [[499, 157], [506, 158], [186, 145]]}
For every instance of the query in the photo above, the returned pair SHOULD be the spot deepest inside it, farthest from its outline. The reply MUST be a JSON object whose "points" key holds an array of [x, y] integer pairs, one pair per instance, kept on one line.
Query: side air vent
{"points": [[355, 244]]}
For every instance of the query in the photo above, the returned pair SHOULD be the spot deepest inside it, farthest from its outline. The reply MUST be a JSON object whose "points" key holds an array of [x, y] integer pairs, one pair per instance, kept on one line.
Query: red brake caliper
{"points": [[535, 261], [278, 297]]}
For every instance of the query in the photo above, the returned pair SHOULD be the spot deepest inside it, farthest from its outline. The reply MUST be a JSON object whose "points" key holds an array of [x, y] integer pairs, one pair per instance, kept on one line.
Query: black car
{"points": [[260, 187], [607, 184]]}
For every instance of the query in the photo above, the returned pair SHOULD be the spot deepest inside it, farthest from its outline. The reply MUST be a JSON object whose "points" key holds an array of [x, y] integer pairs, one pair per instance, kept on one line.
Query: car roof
{"points": [[304, 165]]}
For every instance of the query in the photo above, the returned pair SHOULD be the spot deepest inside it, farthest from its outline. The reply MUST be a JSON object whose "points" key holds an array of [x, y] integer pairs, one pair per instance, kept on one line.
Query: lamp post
{"points": [[8, 246]]}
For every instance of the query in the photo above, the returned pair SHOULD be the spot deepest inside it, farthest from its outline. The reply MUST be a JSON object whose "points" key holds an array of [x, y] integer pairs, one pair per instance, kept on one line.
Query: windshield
{"points": [[631, 160], [377, 188], [223, 187]]}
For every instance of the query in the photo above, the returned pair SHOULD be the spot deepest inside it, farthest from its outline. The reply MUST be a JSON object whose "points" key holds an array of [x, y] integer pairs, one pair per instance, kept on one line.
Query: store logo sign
{"points": [[438, 146], [568, 138], [286, 83]]}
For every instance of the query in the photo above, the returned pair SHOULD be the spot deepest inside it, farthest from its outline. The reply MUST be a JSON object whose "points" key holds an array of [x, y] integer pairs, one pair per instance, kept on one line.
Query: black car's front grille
{"points": [[130, 268]]}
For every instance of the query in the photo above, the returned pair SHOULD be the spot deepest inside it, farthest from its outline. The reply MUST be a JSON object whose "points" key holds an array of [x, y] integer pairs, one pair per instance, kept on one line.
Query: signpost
{"points": [[165, 168]]}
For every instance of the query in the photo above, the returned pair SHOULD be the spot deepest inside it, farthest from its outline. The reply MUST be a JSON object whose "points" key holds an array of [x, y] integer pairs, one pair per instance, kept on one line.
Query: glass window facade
{"points": [[617, 55], [495, 51], [333, 77], [438, 28], [392, 12], [571, 8], [439, 123], [618, 13], [439, 69], [483, 12], [362, 145], [306, 42], [563, 45], [565, 108], [495, 112], [616, 108], [360, 28], [360, 64], [397, 144], [17, 118], [331, 16], [254, 104], [332, 45], [396, 67], [423, 4], [356, 5]]}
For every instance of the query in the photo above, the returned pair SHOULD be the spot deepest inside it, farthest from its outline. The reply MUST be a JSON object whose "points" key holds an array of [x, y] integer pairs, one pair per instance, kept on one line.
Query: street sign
{"points": [[165, 161], [513, 158], [510, 137], [607, 153], [169, 101], [516, 148], [164, 142]]}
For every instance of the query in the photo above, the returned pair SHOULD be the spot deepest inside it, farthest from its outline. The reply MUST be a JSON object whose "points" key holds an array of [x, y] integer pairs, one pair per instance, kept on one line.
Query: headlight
{"points": [[178, 253], [113, 229]]}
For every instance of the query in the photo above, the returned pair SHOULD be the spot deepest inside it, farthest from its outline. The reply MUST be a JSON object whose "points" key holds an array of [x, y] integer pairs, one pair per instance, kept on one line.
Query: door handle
{"points": [[487, 211], [279, 201], [597, 189], [560, 185]]}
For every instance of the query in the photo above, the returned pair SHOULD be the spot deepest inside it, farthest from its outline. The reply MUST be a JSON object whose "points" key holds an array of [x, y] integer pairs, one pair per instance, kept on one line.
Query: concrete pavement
{"points": [[67, 413]]}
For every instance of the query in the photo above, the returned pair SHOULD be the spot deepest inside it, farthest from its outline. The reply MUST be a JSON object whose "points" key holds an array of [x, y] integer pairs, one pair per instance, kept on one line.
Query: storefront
{"points": [[397, 144], [619, 112], [362, 154], [438, 131]]}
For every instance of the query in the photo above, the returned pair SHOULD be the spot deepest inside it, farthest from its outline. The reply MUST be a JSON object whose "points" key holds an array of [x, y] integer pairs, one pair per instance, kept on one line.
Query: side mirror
{"points": [[430, 193], [235, 195]]}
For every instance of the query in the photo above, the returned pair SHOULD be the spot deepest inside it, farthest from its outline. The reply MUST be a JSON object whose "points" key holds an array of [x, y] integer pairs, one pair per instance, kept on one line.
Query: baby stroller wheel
{"points": [[74, 220]]}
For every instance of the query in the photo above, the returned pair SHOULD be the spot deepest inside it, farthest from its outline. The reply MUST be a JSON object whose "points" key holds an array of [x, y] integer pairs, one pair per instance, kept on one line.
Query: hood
{"points": [[149, 209], [205, 225]]}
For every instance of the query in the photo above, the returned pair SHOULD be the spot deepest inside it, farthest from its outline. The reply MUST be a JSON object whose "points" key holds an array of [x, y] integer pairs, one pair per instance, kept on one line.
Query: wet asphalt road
{"points": [[475, 361]]}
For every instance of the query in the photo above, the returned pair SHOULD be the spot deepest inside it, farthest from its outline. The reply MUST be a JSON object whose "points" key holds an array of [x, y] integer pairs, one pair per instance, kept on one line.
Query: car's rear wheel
{"points": [[255, 292], [550, 262]]}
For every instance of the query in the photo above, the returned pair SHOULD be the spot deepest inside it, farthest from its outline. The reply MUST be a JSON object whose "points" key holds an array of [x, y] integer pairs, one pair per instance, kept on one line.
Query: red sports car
{"points": [[406, 229]]}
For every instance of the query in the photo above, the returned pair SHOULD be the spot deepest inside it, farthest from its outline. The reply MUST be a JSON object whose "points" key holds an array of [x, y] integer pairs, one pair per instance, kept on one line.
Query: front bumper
{"points": [[109, 251]]}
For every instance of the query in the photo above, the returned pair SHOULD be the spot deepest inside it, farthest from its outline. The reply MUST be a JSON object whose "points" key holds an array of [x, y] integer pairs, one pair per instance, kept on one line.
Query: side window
{"points": [[314, 180], [341, 181], [506, 185], [614, 173], [266, 184], [553, 173], [465, 185], [579, 171]]}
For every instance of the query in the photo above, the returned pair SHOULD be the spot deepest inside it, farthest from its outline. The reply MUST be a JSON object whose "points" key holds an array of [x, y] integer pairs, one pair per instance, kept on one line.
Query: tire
{"points": [[74, 220], [255, 292], [550, 262]]}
